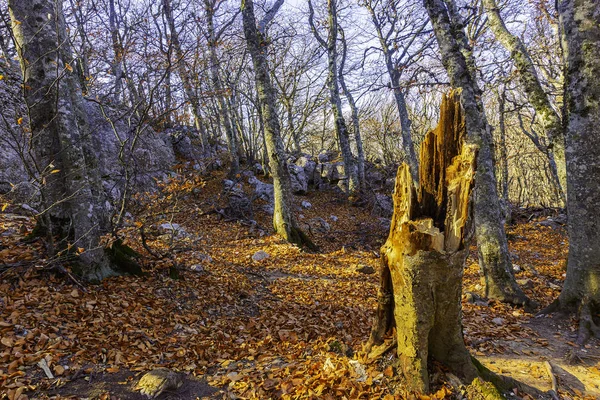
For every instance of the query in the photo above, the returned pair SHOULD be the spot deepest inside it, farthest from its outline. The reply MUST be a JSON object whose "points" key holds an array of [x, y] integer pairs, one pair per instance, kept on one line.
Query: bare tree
{"points": [[341, 128], [492, 244], [538, 98], [284, 220], [65, 159], [581, 290]]}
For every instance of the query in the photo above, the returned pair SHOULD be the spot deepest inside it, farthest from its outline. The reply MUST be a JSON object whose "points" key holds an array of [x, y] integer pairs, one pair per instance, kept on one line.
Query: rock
{"points": [[258, 169], [310, 167], [260, 255], [332, 172], [475, 299], [306, 204], [247, 174], [299, 180], [197, 268], [525, 283], [204, 258], [385, 223], [561, 219], [264, 191], [157, 381], [333, 218], [326, 156], [498, 321], [365, 269], [383, 206], [516, 268], [177, 229], [319, 224]]}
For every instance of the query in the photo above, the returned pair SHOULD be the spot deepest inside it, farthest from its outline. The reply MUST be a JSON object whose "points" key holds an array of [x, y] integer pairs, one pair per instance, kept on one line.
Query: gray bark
{"points": [[581, 26], [492, 244], [360, 153], [528, 77], [394, 75], [284, 221], [184, 74], [73, 200], [341, 129], [213, 37]]}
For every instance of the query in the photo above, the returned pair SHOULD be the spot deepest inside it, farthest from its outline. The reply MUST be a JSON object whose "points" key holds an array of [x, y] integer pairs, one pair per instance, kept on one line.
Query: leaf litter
{"points": [[288, 326]]}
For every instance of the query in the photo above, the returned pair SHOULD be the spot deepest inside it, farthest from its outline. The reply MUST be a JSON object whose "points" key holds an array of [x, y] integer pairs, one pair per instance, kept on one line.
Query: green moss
{"points": [[123, 258], [39, 230]]}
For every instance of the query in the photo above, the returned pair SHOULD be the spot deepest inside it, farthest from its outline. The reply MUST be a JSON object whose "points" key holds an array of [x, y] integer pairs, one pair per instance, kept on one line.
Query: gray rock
{"points": [[525, 283], [197, 268], [299, 180], [260, 255], [333, 218], [498, 321], [310, 168], [383, 206], [239, 204], [264, 191], [319, 224], [365, 269], [306, 204]]}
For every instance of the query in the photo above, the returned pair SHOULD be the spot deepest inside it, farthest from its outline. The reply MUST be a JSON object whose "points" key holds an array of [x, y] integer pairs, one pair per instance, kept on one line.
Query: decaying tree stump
{"points": [[424, 255]]}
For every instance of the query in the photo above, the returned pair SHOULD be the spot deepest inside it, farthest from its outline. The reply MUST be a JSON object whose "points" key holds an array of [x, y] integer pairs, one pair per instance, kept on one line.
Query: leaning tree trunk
{"points": [[581, 27], [536, 95], [283, 217], [492, 245], [424, 255], [65, 161]]}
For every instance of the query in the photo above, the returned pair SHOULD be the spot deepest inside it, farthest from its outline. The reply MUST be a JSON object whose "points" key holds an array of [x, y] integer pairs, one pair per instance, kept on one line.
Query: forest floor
{"points": [[288, 326]]}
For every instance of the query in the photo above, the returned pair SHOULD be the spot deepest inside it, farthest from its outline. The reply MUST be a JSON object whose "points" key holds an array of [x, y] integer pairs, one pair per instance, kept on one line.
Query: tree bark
{"points": [[423, 257], [492, 245], [360, 153], [394, 75], [581, 26], [284, 221], [232, 141], [530, 82], [341, 129], [71, 189], [184, 74]]}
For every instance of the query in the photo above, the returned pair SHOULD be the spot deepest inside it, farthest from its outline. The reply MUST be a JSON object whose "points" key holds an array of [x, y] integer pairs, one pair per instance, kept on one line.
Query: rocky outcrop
{"points": [[127, 151]]}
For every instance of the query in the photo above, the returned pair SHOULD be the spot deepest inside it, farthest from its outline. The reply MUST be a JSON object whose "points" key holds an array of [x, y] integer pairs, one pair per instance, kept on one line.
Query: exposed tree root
{"points": [[587, 326]]}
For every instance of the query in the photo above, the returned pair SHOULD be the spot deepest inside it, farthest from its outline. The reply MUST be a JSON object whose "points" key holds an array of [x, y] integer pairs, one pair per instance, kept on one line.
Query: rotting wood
{"points": [[424, 255]]}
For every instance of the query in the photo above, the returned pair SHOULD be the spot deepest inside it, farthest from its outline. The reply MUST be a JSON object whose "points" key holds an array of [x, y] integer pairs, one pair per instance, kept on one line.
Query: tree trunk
{"points": [[341, 129], [530, 82], [188, 90], [71, 189], [492, 244], [354, 110], [284, 221], [423, 257], [232, 142], [581, 26]]}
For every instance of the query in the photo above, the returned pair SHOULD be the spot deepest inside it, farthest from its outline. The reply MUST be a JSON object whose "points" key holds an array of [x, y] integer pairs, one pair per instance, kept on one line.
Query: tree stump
{"points": [[424, 255]]}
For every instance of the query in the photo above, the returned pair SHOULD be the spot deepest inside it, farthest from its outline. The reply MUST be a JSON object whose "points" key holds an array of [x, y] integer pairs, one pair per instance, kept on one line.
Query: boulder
{"points": [[310, 168], [298, 179], [383, 205], [260, 255], [264, 191], [239, 204]]}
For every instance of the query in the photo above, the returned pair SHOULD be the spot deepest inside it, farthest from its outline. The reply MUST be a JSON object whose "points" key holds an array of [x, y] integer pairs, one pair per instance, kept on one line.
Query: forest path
{"points": [[291, 324]]}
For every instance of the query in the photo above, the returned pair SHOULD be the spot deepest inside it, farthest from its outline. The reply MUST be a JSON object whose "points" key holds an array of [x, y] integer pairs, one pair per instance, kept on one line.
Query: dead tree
{"points": [[424, 255]]}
